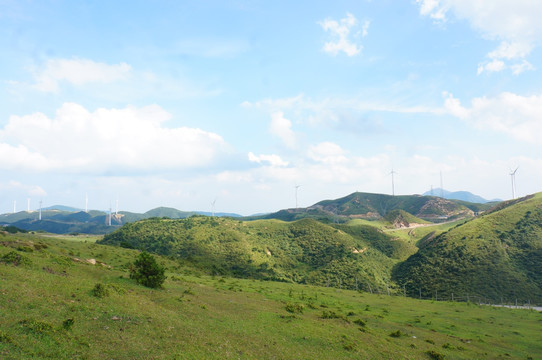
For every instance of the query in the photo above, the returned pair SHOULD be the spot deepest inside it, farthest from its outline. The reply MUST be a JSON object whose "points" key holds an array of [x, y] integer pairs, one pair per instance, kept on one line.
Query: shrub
{"points": [[68, 323], [36, 327], [397, 334], [4, 338], [435, 355], [147, 272], [360, 322], [14, 258], [100, 290], [295, 308]]}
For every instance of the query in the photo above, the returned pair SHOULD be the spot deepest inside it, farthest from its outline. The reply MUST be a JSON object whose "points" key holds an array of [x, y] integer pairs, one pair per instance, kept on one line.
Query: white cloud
{"points": [[516, 24], [26, 190], [282, 127], [340, 33], [508, 113], [77, 72], [106, 140], [273, 160], [327, 153]]}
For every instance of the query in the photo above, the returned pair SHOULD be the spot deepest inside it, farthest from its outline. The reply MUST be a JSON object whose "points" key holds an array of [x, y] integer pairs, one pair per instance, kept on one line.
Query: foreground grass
{"points": [[48, 310]]}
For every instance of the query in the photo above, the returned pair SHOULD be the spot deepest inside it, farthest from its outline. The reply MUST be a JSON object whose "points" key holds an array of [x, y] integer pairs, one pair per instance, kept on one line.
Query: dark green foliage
{"points": [[15, 259], [435, 355], [360, 322], [5, 338], [100, 290], [294, 308], [496, 257], [36, 327], [68, 323], [397, 333], [147, 272], [12, 229]]}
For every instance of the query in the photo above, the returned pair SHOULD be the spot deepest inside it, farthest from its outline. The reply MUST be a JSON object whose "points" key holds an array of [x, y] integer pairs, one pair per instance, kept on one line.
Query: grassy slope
{"points": [[196, 316], [304, 251], [497, 255]]}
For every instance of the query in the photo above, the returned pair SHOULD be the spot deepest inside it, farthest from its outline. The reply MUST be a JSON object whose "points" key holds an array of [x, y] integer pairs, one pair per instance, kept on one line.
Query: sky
{"points": [[236, 103]]}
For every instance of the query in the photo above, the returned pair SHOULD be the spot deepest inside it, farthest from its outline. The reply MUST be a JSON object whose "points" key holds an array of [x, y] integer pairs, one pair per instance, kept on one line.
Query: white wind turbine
{"points": [[213, 208], [513, 178], [296, 188], [392, 173]]}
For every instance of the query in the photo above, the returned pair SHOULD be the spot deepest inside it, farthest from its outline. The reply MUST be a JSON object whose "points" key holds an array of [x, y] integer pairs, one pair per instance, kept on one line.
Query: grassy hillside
{"points": [[305, 251], [48, 310], [498, 256]]}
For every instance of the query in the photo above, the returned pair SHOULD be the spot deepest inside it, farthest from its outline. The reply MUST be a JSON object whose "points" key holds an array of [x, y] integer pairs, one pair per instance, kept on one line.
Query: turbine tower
{"points": [[14, 206], [39, 218], [86, 203], [109, 220], [513, 178], [296, 188], [28, 205], [392, 173], [441, 186], [213, 208]]}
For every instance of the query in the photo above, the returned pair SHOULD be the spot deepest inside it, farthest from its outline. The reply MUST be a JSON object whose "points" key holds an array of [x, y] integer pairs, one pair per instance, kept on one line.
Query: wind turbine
{"points": [[14, 206], [513, 178], [296, 188], [392, 182], [86, 203], [28, 205], [213, 207], [40, 210], [110, 214]]}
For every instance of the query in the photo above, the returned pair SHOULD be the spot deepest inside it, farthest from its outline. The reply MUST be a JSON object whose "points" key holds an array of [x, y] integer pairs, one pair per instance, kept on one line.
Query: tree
{"points": [[147, 272]]}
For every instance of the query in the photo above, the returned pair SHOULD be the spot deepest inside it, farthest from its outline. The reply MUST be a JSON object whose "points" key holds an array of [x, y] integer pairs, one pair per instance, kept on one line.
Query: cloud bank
{"points": [[105, 141]]}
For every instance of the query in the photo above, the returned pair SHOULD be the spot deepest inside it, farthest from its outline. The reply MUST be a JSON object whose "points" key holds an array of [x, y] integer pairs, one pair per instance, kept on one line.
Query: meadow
{"points": [[50, 309]]}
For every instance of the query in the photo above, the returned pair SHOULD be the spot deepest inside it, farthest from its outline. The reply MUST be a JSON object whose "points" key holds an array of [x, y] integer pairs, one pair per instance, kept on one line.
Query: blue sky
{"points": [[179, 103]]}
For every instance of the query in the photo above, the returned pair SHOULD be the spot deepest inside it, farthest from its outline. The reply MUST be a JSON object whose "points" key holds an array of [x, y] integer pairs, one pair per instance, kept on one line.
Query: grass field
{"points": [[48, 310]]}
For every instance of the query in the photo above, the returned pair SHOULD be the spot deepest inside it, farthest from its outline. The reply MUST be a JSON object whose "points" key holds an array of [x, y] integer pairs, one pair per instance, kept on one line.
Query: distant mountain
{"points": [[61, 219], [62, 208], [459, 195], [377, 206]]}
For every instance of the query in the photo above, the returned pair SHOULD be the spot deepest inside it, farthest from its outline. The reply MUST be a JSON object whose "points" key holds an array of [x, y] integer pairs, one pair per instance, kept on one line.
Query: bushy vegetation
{"points": [[147, 272], [305, 251], [496, 257]]}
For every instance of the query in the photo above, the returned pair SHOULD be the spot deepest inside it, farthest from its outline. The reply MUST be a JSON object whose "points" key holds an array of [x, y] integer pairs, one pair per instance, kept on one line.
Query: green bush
{"points": [[147, 272], [295, 308], [100, 290], [15, 259]]}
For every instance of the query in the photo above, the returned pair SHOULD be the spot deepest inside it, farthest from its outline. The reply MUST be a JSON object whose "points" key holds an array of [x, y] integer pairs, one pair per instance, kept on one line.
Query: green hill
{"points": [[376, 206], [304, 251], [497, 255], [50, 310], [403, 219]]}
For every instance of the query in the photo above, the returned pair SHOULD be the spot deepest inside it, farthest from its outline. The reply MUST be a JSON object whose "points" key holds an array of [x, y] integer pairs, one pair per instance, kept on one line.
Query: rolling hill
{"points": [[376, 206], [497, 255], [304, 251]]}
